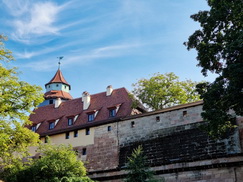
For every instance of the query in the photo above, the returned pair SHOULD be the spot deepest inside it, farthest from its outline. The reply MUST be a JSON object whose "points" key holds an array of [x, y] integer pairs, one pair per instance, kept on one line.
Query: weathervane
{"points": [[59, 62]]}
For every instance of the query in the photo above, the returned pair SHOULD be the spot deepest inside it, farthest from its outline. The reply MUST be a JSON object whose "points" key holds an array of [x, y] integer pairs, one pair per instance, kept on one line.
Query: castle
{"points": [[105, 127]]}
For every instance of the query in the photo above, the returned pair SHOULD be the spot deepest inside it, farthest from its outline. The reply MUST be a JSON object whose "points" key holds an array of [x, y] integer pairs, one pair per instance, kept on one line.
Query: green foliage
{"points": [[219, 45], [137, 170], [17, 100], [57, 163], [5, 54], [165, 90]]}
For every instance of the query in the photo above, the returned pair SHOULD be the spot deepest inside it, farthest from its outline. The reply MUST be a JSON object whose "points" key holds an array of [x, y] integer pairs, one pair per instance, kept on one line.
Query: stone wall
{"points": [[182, 144], [176, 148], [150, 125], [103, 155]]}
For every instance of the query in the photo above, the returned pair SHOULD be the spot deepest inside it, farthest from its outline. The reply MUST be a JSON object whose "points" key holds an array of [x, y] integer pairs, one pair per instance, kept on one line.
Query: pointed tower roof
{"points": [[58, 78]]}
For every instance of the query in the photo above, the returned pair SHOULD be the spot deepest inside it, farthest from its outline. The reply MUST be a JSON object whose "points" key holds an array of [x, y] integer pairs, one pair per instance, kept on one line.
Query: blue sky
{"points": [[104, 42]]}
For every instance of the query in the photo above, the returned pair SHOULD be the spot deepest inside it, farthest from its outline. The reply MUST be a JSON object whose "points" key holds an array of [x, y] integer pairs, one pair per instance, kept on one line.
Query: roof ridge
{"points": [[105, 91]]}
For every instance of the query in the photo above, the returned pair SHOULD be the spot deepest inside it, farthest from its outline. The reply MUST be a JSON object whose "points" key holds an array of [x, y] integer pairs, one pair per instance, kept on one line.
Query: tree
{"points": [[57, 163], [17, 100], [137, 170], [166, 90], [220, 50]]}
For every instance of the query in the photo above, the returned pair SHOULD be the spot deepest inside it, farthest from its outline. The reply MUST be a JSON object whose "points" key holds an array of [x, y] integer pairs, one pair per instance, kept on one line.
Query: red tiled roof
{"points": [[74, 107], [58, 78], [57, 94]]}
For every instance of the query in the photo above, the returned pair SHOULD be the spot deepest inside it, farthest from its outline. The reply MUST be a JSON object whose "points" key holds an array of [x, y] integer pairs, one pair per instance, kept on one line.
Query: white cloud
{"points": [[32, 19], [82, 58]]}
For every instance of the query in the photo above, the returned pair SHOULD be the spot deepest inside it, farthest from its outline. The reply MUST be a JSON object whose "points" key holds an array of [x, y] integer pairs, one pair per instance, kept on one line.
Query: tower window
{"points": [[109, 128], [184, 113], [84, 151], [70, 121], [51, 125], [132, 124], [46, 139], [67, 135], [75, 134], [87, 131]]}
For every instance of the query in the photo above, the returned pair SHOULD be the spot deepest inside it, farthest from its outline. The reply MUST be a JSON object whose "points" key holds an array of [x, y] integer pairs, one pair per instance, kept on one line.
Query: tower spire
{"points": [[59, 62]]}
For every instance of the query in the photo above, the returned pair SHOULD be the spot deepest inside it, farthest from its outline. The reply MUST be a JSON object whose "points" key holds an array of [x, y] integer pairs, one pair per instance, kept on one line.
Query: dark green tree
{"points": [[137, 169], [219, 44]]}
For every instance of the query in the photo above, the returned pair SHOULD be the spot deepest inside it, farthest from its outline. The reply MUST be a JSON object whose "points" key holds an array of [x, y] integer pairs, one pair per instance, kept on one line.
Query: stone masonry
{"points": [[176, 149]]}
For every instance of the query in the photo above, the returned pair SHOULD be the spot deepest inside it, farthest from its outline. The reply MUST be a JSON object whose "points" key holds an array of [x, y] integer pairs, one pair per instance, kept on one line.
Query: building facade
{"points": [[104, 128]]}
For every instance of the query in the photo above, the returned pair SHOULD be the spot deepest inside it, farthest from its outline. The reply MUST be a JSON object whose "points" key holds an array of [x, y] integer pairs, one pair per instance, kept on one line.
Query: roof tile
{"points": [[74, 107]]}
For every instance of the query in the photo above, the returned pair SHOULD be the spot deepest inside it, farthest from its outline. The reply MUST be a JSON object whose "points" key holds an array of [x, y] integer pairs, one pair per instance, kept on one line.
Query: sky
{"points": [[103, 42]]}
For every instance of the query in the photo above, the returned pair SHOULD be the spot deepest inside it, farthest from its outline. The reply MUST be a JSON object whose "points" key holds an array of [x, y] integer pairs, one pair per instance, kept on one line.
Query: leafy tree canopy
{"points": [[219, 44], [17, 100], [165, 90], [57, 163]]}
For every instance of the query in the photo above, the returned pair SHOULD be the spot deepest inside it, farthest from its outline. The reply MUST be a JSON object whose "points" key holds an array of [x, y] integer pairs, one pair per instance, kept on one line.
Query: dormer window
{"points": [[51, 125], [112, 112], [33, 128], [70, 121], [91, 117]]}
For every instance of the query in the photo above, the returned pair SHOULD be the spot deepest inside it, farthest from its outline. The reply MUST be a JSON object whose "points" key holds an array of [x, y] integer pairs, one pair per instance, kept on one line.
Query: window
{"points": [[132, 124], [70, 121], [67, 135], [109, 128], [184, 113], [49, 86], [84, 151], [50, 101], [91, 117], [51, 125], [75, 134], [87, 131], [157, 118], [33, 128], [57, 85], [112, 112], [46, 139]]}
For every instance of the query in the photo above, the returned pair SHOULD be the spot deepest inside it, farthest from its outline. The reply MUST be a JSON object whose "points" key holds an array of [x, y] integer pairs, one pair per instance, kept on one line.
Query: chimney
{"points": [[109, 90], [86, 100], [58, 101]]}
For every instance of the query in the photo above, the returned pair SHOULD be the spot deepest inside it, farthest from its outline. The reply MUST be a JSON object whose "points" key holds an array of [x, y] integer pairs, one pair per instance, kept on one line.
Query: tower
{"points": [[57, 89]]}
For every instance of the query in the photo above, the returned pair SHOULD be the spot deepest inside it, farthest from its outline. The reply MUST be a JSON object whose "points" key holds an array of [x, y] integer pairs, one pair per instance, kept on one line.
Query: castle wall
{"points": [[103, 154], [148, 127], [176, 148], [81, 140]]}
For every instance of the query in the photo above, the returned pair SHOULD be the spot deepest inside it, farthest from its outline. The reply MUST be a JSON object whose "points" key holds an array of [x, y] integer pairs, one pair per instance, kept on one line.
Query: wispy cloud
{"points": [[33, 19], [78, 58]]}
